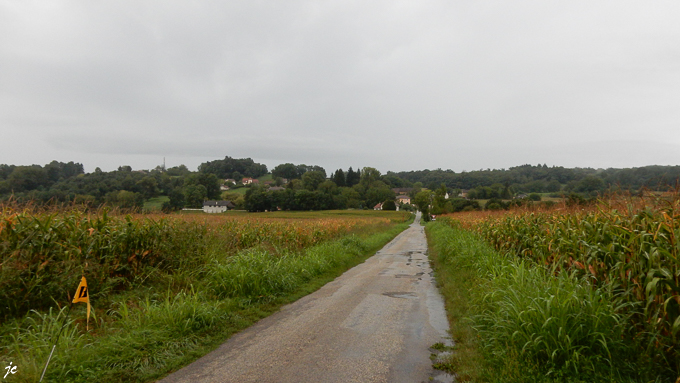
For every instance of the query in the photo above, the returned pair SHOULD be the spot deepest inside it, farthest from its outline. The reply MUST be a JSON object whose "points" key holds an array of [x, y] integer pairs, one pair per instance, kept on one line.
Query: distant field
{"points": [[266, 177], [544, 197], [392, 215], [156, 203], [241, 191]]}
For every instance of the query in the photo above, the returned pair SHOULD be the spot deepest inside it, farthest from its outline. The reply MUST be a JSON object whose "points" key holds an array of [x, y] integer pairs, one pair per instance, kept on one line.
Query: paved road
{"points": [[374, 323]]}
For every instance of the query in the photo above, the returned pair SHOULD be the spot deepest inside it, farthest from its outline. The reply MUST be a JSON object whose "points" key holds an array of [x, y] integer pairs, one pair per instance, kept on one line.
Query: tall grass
{"points": [[523, 322], [260, 273], [632, 252]]}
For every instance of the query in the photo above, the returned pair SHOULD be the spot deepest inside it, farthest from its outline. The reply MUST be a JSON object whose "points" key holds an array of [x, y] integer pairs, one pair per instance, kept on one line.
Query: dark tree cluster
{"points": [[290, 171], [19, 179], [233, 168], [313, 191]]}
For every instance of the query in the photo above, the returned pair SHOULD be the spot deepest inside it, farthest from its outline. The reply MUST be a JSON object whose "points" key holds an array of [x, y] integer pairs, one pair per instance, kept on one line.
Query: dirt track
{"points": [[375, 323]]}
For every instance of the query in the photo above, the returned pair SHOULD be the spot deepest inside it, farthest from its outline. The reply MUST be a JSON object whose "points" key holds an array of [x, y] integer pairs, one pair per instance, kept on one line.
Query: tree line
{"points": [[544, 179], [309, 187]]}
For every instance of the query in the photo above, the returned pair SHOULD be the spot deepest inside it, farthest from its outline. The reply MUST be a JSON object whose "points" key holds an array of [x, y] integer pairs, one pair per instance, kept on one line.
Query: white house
{"points": [[217, 206]]}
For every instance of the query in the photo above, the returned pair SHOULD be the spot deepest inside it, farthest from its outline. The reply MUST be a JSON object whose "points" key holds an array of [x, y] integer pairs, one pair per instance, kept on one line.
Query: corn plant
{"points": [[630, 248]]}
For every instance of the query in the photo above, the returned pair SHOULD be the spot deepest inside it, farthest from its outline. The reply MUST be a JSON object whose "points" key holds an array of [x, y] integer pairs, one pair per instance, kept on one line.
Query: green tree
{"points": [[195, 195], [238, 177], [350, 198], [553, 186], [352, 178], [26, 178], [287, 170], [328, 187], [178, 171], [590, 184], [417, 187], [339, 178], [176, 201], [423, 200], [148, 186], [369, 176], [228, 166], [208, 180], [377, 193], [389, 205], [311, 180], [125, 199], [440, 204], [257, 199]]}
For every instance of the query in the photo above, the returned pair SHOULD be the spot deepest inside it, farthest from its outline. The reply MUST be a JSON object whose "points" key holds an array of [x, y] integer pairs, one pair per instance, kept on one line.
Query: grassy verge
{"points": [[155, 203], [150, 332], [513, 321]]}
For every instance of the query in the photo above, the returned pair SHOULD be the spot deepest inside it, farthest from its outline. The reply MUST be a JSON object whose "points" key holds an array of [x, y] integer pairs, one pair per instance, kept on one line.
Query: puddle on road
{"points": [[401, 294], [417, 275]]}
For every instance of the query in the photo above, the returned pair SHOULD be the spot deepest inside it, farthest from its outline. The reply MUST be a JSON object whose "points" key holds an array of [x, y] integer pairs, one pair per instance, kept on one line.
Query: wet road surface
{"points": [[374, 323]]}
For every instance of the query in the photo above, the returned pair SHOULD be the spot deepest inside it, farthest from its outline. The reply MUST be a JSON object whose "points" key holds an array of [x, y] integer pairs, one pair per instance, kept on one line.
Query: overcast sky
{"points": [[396, 85]]}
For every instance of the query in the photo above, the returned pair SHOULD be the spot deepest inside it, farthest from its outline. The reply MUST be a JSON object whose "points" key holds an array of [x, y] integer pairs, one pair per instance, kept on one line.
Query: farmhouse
{"points": [[378, 206], [403, 199], [217, 206]]}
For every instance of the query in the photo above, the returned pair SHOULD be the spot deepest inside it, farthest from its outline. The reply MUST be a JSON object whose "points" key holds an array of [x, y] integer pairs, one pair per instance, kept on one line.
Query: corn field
{"points": [[43, 255], [629, 248]]}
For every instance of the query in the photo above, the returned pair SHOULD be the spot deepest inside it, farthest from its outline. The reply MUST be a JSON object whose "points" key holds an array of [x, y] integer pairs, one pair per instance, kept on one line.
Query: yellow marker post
{"points": [[82, 295]]}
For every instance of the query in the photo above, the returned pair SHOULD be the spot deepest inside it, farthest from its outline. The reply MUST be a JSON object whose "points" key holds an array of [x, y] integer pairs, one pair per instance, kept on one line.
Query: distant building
{"points": [[402, 191], [217, 206], [247, 181], [403, 199], [378, 207]]}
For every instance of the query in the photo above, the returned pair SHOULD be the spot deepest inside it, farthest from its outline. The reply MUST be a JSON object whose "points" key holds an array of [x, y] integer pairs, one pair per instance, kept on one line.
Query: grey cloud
{"points": [[395, 85]]}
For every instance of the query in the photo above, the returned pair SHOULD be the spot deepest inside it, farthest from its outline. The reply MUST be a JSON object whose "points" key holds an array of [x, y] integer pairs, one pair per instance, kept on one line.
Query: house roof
{"points": [[228, 204], [403, 197], [402, 190]]}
